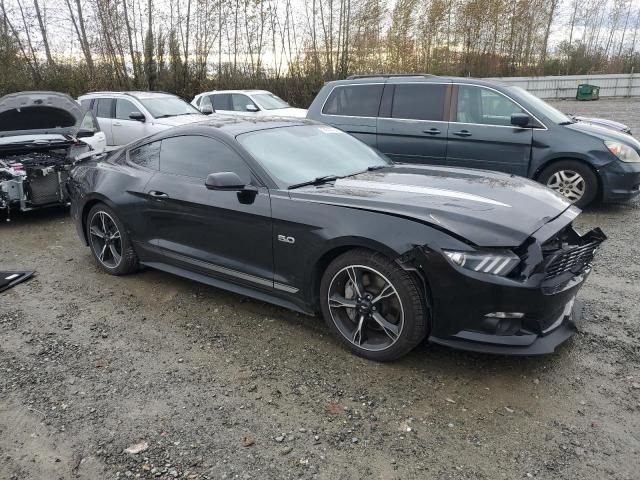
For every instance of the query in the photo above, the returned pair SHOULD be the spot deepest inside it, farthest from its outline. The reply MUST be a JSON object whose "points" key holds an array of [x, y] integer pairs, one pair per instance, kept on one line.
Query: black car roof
{"points": [[238, 125]]}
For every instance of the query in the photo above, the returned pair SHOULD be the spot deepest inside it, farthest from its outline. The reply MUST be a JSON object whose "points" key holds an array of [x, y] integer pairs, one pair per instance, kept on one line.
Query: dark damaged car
{"points": [[41, 135], [307, 217]]}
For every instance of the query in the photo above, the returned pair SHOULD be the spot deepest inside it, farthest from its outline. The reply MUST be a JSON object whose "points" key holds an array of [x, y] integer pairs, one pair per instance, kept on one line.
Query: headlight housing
{"points": [[622, 151], [498, 262]]}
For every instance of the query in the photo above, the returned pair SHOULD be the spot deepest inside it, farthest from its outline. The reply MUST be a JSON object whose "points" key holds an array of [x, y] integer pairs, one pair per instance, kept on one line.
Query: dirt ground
{"points": [[218, 386]]}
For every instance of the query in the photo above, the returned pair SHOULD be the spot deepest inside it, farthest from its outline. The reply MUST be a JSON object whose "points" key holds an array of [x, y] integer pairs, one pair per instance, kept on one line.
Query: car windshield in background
{"points": [[163, 107], [269, 101], [302, 153], [553, 114]]}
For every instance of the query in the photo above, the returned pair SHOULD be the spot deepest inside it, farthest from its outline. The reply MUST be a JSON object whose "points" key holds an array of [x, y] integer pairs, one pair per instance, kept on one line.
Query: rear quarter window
{"points": [[354, 101], [147, 156]]}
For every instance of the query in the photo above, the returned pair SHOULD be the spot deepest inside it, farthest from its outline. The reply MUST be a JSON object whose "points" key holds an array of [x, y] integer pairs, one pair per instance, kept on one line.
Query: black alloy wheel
{"points": [[374, 306], [109, 241]]}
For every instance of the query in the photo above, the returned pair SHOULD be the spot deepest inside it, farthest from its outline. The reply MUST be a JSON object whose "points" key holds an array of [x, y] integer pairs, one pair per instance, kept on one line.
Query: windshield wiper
{"points": [[376, 167], [315, 181], [167, 115]]}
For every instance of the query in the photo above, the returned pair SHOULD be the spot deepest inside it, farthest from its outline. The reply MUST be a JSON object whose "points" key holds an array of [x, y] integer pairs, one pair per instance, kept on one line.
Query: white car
{"points": [[257, 103], [128, 116], [42, 136]]}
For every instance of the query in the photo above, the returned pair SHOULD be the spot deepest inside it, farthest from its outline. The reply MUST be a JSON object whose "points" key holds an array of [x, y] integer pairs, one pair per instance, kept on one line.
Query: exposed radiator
{"points": [[47, 189]]}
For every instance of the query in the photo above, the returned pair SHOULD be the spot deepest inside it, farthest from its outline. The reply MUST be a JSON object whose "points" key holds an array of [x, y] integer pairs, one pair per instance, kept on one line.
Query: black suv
{"points": [[482, 124]]}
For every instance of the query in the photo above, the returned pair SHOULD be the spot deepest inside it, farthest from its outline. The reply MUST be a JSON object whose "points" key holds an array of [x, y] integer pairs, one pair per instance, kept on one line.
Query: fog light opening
{"points": [[503, 323], [505, 315]]}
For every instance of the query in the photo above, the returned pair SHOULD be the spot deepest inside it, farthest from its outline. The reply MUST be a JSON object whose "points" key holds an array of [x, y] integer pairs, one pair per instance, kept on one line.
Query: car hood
{"points": [[34, 113], [486, 208], [603, 122], [179, 120], [287, 112], [604, 133]]}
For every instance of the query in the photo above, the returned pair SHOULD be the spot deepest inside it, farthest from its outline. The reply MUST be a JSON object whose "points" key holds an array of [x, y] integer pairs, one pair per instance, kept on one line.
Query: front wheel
{"points": [[109, 241], [376, 308], [573, 180]]}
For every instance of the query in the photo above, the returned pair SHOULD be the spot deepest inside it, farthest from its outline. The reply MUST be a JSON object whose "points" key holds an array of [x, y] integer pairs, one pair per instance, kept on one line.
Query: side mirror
{"points": [[251, 108], [207, 110], [520, 120], [138, 116], [85, 133], [224, 181]]}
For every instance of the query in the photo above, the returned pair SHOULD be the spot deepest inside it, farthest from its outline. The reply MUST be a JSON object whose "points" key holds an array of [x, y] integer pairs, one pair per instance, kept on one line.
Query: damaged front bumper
{"points": [[33, 180], [529, 312]]}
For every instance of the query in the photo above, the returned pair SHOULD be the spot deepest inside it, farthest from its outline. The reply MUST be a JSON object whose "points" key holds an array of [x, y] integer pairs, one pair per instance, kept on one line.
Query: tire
{"points": [[128, 261], [574, 174], [393, 325]]}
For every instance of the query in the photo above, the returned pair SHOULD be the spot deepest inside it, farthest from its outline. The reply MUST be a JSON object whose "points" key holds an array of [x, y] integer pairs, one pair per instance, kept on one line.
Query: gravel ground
{"points": [[208, 384]]}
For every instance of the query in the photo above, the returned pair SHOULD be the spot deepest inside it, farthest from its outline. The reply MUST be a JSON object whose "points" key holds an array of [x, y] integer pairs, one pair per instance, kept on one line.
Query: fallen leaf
{"points": [[137, 448], [333, 408], [247, 441]]}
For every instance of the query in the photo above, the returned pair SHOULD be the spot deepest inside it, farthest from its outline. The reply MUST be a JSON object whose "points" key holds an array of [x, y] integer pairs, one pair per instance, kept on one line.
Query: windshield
{"points": [[302, 153], [269, 101], [162, 107], [543, 107]]}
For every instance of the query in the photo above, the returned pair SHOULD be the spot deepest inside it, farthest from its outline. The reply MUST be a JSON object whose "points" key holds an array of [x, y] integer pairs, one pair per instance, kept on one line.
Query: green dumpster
{"points": [[587, 92]]}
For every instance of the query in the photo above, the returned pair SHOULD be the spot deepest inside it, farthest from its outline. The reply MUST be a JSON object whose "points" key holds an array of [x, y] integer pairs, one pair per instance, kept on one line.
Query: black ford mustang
{"points": [[307, 217]]}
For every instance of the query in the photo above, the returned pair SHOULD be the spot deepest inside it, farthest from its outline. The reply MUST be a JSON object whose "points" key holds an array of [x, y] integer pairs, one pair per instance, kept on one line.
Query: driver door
{"points": [[219, 233]]}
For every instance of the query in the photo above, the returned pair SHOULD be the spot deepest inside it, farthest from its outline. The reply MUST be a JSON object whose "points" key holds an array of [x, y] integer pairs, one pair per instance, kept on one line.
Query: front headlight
{"points": [[622, 151], [493, 262]]}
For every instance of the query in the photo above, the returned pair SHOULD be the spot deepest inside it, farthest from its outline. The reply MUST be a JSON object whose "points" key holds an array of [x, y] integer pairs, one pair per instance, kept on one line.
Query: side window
{"points": [[484, 106], [240, 102], [222, 101], [195, 156], [147, 156], [89, 122], [354, 101], [86, 104], [124, 108], [419, 101], [205, 102], [104, 108]]}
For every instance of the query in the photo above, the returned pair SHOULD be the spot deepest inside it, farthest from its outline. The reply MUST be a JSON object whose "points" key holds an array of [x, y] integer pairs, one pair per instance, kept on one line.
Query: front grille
{"points": [[570, 252], [574, 260]]}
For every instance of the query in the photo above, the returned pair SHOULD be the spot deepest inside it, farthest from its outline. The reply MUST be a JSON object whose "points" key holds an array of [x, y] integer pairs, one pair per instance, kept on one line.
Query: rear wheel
{"points": [[110, 242], [374, 306], [573, 180]]}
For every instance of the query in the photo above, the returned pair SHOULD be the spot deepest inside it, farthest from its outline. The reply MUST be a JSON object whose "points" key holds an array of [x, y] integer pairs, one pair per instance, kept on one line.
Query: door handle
{"points": [[432, 131], [463, 133], [117, 124], [156, 194]]}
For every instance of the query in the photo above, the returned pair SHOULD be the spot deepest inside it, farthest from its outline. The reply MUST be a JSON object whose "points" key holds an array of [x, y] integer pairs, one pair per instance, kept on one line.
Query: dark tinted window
{"points": [[419, 101], [146, 155], [195, 156], [124, 108], [484, 106], [354, 101], [222, 101], [104, 107]]}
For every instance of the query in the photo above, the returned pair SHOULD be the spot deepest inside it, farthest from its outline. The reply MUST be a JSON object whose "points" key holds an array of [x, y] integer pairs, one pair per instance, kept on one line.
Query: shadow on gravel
{"points": [[33, 217]]}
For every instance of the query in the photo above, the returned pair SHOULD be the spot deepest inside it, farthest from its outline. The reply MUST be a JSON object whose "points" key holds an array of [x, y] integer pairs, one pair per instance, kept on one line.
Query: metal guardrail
{"points": [[565, 86]]}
